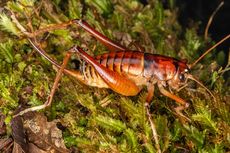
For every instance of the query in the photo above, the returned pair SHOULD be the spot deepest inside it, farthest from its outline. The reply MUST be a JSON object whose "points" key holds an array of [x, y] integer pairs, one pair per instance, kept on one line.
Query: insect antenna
{"points": [[202, 56], [209, 50], [194, 79], [193, 64], [211, 18]]}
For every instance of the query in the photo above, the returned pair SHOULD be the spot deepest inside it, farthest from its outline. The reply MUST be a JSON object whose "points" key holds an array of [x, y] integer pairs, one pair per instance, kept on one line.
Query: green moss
{"points": [[99, 119]]}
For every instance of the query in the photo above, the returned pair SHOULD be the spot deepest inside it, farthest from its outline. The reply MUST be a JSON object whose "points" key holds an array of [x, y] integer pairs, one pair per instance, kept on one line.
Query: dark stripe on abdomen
{"points": [[110, 60], [125, 62], [117, 61]]}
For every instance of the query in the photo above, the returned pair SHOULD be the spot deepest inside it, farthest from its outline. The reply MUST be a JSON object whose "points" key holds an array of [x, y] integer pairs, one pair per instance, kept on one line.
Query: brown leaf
{"points": [[2, 125], [34, 149], [17, 148], [18, 133], [43, 134], [4, 144]]}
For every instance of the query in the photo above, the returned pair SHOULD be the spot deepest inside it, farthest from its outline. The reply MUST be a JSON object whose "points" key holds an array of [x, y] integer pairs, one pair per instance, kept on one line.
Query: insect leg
{"points": [[111, 45], [150, 94], [149, 97], [74, 73], [114, 80], [137, 46], [177, 99], [57, 79]]}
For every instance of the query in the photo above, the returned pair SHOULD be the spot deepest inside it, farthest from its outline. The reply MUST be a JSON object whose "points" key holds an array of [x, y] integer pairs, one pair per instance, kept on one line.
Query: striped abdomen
{"points": [[137, 66], [129, 64]]}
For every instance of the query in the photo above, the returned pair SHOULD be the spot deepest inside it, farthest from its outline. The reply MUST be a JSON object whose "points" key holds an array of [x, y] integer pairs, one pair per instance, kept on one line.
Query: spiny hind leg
{"points": [[179, 109], [54, 87], [110, 44]]}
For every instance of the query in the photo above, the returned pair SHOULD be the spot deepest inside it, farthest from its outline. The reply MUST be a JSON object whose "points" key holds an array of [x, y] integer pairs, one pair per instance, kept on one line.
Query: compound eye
{"points": [[186, 70], [182, 77]]}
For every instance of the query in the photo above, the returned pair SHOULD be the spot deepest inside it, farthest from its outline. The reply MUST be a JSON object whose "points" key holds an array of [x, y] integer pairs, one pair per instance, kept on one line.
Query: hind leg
{"points": [[55, 85]]}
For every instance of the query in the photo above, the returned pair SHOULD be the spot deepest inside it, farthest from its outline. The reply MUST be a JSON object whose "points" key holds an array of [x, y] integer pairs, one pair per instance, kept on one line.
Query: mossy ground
{"points": [[99, 120]]}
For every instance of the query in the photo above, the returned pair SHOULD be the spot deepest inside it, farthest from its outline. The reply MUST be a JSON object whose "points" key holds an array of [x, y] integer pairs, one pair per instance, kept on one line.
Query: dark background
{"points": [[200, 11]]}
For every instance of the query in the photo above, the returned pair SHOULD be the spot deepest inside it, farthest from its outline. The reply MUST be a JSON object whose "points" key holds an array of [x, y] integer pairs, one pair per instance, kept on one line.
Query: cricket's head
{"points": [[182, 75]]}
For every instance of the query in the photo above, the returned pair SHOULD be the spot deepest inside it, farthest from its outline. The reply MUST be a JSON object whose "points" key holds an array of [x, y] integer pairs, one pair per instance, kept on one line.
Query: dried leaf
{"points": [[2, 125], [18, 133], [43, 134], [17, 148], [4, 143], [34, 149]]}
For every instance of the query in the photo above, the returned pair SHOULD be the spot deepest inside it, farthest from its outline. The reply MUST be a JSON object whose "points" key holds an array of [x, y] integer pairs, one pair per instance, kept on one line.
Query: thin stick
{"points": [[211, 18], [50, 28], [40, 31], [209, 50]]}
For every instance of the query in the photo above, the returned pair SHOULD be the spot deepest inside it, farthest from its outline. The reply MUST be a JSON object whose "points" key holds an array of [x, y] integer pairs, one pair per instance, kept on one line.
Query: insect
{"points": [[122, 70]]}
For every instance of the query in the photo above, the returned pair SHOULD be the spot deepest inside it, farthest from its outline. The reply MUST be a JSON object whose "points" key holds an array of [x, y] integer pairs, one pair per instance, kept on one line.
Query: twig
{"points": [[37, 32]]}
